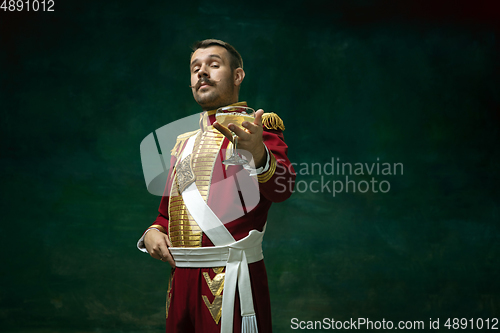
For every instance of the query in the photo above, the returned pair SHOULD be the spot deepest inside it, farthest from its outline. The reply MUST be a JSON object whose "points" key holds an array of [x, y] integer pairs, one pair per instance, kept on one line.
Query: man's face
{"points": [[212, 80]]}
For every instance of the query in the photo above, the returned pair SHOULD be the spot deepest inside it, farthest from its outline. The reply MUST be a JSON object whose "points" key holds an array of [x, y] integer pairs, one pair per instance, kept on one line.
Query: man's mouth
{"points": [[203, 84]]}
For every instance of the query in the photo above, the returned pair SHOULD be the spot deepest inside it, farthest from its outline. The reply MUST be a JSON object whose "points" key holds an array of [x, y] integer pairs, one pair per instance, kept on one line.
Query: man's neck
{"points": [[208, 108]]}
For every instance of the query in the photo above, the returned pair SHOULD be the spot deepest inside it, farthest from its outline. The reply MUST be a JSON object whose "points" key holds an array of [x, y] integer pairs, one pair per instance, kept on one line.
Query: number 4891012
{"points": [[27, 5]]}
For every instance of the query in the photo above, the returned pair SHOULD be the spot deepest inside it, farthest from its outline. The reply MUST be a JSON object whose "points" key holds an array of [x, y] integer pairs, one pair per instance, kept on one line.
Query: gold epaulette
{"points": [[272, 121], [180, 142]]}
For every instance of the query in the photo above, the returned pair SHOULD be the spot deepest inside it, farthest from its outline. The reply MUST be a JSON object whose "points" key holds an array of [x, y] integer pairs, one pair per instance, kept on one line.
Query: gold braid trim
{"points": [[215, 307], [180, 142], [169, 290], [159, 227], [264, 177], [272, 121]]}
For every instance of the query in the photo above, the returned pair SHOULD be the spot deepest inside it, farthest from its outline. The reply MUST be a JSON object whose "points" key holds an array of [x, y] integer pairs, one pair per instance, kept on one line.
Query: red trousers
{"points": [[193, 291]]}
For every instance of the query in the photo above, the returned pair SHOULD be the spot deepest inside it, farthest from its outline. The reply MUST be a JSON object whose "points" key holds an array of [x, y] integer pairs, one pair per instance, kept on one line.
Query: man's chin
{"points": [[207, 102]]}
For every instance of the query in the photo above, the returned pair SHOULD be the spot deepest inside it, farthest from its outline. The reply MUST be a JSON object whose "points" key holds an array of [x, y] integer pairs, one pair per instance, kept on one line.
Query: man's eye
{"points": [[215, 65], [195, 70]]}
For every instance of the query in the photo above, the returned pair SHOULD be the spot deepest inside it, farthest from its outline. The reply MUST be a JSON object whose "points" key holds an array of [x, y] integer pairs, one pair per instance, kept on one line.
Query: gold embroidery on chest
{"points": [[185, 175], [183, 229], [205, 154]]}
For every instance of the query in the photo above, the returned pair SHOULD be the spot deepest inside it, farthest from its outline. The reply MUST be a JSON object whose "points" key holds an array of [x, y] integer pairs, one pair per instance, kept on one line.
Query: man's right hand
{"points": [[157, 244]]}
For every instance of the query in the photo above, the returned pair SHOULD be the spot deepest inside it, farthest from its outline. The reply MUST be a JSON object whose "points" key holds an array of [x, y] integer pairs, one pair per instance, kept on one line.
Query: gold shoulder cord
{"points": [[272, 121]]}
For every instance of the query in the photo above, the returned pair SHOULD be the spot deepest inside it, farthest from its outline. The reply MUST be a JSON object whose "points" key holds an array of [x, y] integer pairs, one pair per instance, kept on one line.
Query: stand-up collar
{"points": [[207, 118]]}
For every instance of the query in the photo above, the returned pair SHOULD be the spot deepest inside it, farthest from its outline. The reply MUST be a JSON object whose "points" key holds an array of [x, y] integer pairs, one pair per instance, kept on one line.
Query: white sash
{"points": [[237, 272]]}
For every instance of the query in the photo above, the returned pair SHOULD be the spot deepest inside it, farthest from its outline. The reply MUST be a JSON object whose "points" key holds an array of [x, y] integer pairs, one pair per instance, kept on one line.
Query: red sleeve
{"points": [[161, 221], [277, 183]]}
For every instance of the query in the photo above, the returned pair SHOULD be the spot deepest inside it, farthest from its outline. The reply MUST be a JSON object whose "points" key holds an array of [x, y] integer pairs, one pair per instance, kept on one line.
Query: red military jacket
{"points": [[274, 185]]}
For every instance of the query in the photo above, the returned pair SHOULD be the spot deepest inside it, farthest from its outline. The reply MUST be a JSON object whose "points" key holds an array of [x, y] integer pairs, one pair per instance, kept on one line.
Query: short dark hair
{"points": [[235, 58]]}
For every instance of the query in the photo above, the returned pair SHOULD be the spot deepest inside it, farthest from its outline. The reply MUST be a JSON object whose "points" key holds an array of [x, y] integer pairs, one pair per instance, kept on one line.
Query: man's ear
{"points": [[239, 75]]}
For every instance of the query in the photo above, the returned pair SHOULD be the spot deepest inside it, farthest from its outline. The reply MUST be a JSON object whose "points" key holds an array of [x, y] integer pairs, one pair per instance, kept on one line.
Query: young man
{"points": [[218, 281]]}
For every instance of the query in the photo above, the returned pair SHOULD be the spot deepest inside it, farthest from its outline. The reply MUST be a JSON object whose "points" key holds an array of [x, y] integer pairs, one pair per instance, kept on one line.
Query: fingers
{"points": [[165, 254], [223, 130], [240, 132], [171, 261], [251, 128], [157, 244], [249, 136], [167, 258], [256, 126], [168, 241], [258, 117]]}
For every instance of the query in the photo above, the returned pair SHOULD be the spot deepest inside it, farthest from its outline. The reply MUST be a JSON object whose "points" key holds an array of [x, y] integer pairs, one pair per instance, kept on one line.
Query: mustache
{"points": [[204, 80]]}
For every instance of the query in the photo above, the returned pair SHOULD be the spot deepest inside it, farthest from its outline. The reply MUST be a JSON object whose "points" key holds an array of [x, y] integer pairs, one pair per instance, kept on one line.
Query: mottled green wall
{"points": [[81, 87]]}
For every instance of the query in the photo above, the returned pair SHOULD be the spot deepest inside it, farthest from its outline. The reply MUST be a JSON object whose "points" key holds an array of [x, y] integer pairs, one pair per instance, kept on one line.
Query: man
{"points": [[229, 293]]}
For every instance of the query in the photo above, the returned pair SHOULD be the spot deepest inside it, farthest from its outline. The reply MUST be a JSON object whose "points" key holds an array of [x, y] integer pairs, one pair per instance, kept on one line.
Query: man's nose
{"points": [[203, 71]]}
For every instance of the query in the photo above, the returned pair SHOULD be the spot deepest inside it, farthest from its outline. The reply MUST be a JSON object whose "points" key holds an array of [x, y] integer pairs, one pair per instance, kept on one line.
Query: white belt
{"points": [[217, 256]]}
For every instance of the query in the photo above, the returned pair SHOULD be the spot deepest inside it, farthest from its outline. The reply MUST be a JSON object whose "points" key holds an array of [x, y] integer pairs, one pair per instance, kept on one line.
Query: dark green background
{"points": [[406, 82]]}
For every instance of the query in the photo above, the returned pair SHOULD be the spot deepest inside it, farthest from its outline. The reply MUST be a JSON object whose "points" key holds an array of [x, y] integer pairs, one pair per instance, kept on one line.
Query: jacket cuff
{"points": [[265, 176], [159, 227], [140, 242]]}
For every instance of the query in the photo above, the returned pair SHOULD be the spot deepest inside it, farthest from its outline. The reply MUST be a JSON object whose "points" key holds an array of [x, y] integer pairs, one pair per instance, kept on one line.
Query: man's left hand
{"points": [[249, 137]]}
